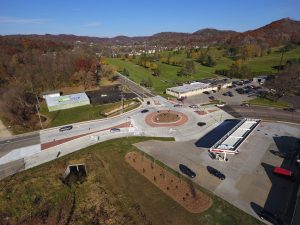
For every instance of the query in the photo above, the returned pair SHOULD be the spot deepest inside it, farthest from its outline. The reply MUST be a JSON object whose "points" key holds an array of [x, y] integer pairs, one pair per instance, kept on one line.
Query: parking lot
{"points": [[250, 184], [228, 95]]}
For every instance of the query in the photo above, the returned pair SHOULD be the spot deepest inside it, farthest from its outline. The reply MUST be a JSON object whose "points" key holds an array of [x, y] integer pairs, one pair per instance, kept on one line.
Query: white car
{"points": [[220, 105]]}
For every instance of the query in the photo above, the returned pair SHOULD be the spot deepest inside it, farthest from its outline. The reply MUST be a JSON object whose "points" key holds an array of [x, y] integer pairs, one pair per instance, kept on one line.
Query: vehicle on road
{"points": [[283, 173], [113, 130], [216, 173], [206, 92], [201, 124], [187, 171], [178, 105], [289, 109], [144, 111], [193, 106], [211, 97], [273, 218], [220, 105], [69, 127], [245, 104]]}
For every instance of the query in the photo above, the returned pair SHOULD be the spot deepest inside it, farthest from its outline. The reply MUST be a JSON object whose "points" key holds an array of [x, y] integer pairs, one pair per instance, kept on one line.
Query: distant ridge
{"points": [[273, 34]]}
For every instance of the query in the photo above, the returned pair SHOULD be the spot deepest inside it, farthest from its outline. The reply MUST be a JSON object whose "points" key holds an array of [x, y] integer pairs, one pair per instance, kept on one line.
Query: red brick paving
{"points": [[61, 141], [212, 110], [201, 113], [149, 119]]}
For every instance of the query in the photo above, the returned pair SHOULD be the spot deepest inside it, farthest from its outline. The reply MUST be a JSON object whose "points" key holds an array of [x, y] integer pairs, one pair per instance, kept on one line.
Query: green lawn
{"points": [[168, 76], [79, 114], [267, 102], [113, 193]]}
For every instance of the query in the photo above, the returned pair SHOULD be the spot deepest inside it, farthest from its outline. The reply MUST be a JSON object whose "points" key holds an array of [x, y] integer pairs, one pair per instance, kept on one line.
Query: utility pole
{"points": [[122, 102], [39, 115]]}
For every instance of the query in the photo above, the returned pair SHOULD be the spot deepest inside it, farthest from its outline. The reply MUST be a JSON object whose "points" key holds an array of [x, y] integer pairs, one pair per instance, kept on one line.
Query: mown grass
{"points": [[79, 114], [168, 78], [113, 190], [168, 75]]}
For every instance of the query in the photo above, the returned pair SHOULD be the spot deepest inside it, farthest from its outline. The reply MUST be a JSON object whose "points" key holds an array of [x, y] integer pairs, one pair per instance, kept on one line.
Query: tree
{"points": [[125, 72]]}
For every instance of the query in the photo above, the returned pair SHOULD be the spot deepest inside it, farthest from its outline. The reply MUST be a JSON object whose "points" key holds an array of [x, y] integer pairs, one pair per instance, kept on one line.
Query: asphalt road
{"points": [[134, 87], [6, 145], [265, 113]]}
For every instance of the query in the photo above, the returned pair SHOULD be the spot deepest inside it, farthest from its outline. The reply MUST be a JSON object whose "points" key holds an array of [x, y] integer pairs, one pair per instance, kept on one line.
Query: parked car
{"points": [[283, 173], [214, 91], [113, 130], [206, 92], [185, 170], [220, 105], [144, 111], [216, 173], [201, 124], [69, 127], [273, 218], [211, 97]]}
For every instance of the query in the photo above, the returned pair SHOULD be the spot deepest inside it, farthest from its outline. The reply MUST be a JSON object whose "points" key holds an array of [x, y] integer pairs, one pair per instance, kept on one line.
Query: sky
{"points": [[109, 18]]}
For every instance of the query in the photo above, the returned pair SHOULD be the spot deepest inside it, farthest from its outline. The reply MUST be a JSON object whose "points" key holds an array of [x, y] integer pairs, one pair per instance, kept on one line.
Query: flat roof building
{"points": [[196, 88], [67, 101]]}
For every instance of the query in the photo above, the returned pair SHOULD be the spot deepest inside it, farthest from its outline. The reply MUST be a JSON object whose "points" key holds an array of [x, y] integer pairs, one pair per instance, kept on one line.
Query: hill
{"points": [[274, 34]]}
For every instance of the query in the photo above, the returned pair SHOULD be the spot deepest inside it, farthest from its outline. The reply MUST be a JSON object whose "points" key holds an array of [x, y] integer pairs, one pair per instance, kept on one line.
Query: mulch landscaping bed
{"points": [[181, 191]]}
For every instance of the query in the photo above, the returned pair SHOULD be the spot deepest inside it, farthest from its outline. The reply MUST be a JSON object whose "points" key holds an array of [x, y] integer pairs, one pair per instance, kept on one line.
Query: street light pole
{"points": [[39, 115]]}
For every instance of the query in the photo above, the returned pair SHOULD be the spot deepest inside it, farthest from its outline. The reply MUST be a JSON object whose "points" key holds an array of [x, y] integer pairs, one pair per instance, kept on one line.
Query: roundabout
{"points": [[165, 118]]}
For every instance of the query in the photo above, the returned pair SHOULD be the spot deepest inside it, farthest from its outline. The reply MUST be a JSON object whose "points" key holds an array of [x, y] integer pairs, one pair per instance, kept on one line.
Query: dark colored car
{"points": [[211, 97], [184, 169], [201, 124], [216, 173], [65, 128], [178, 105], [273, 218], [113, 130], [206, 92], [144, 111], [289, 109]]}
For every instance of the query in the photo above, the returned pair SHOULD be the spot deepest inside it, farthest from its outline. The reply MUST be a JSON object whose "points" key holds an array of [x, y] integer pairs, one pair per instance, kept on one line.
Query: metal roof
{"points": [[189, 87], [66, 99]]}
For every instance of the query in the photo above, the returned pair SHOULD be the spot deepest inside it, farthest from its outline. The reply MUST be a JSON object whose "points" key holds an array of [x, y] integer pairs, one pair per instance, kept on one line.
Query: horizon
{"points": [[95, 19]]}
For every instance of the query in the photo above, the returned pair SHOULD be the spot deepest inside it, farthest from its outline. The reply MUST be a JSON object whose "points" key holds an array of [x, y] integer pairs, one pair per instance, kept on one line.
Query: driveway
{"points": [[249, 184]]}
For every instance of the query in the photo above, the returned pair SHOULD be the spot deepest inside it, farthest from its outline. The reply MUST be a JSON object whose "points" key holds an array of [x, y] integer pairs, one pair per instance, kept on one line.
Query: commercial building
{"points": [[196, 88], [234, 138], [67, 101], [50, 94]]}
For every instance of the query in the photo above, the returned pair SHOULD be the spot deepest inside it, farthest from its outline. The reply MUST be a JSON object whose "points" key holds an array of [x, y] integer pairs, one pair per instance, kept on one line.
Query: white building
{"points": [[50, 94], [195, 88]]}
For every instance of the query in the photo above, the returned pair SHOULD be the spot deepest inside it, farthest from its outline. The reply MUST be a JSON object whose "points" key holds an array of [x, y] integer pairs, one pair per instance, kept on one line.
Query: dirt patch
{"points": [[165, 118], [181, 191]]}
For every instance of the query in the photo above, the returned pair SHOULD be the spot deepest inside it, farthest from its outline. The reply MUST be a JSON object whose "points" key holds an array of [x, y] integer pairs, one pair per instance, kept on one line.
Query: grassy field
{"points": [[113, 193], [168, 77], [79, 114], [267, 102]]}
